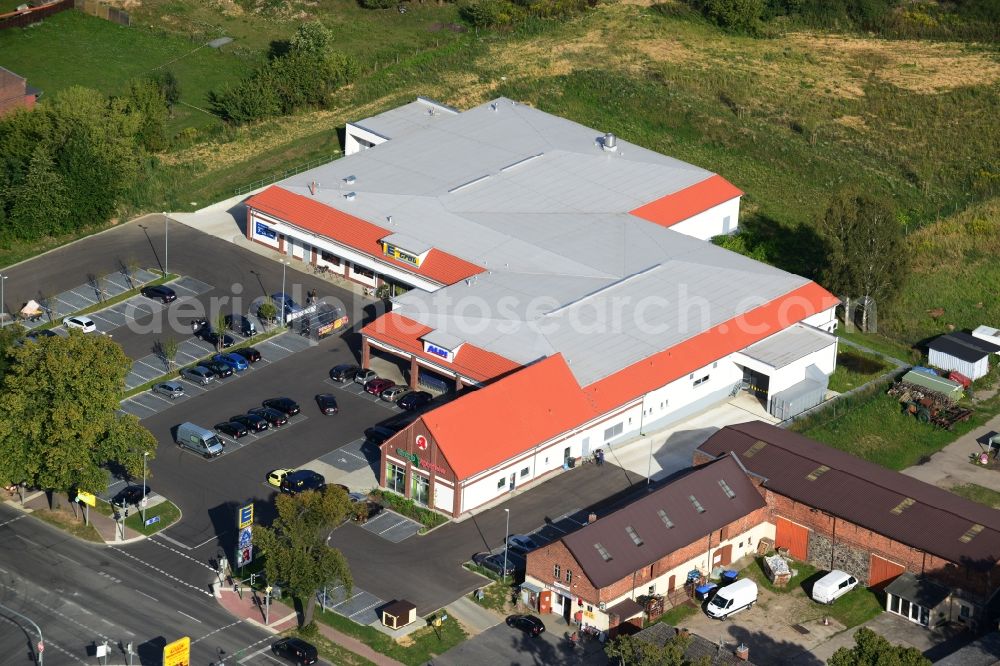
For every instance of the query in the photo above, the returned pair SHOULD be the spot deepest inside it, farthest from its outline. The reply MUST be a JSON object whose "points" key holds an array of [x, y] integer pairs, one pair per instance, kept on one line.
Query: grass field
{"points": [[978, 493], [84, 50], [854, 368]]}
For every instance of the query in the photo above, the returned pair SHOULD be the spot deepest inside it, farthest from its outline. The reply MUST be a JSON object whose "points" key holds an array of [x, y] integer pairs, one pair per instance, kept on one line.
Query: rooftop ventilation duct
{"points": [[313, 186], [350, 180], [351, 196], [610, 142]]}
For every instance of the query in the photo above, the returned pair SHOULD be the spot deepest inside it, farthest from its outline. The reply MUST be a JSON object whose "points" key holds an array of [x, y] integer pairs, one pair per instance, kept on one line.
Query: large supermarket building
{"points": [[565, 273]]}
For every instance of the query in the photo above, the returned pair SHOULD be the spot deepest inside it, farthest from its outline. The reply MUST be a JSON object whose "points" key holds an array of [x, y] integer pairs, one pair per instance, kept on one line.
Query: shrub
{"points": [[378, 4], [739, 15], [488, 13]]}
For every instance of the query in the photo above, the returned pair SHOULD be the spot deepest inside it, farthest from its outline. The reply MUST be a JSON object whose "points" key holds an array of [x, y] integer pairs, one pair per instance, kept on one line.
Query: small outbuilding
{"points": [[398, 614], [968, 354]]}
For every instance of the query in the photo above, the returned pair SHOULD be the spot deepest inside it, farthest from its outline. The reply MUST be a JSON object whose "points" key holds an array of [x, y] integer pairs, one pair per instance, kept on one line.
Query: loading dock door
{"points": [[883, 571], [793, 537]]}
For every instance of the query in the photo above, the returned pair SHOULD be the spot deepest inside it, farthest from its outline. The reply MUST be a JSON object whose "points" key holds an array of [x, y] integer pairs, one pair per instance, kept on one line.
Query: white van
{"points": [[732, 599], [200, 440], [832, 586]]}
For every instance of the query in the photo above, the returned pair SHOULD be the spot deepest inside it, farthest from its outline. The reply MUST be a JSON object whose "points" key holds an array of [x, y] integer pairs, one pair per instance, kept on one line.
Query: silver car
{"points": [[394, 393], [198, 375], [172, 390], [364, 376]]}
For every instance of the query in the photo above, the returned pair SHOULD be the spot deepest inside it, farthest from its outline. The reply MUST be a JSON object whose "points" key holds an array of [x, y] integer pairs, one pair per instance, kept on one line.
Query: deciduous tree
{"points": [[632, 651], [295, 549], [40, 203], [870, 649]]}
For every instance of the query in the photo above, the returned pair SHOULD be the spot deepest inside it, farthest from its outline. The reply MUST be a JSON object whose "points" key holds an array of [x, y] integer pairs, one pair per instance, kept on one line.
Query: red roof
{"points": [[354, 232], [508, 417], [471, 361], [679, 206], [711, 345]]}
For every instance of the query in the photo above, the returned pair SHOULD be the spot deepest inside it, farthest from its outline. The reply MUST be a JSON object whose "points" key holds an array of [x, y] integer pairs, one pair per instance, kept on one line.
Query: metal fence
{"points": [[104, 11], [274, 178]]}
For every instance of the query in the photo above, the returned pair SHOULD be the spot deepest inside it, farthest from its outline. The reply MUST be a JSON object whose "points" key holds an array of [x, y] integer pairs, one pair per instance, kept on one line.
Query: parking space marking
{"points": [[83, 296], [139, 404], [159, 371], [280, 347], [346, 600]]}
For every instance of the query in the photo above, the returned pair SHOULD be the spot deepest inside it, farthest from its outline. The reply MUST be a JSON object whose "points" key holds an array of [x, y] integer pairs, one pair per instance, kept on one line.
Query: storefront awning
{"points": [[530, 586], [919, 591], [625, 609]]}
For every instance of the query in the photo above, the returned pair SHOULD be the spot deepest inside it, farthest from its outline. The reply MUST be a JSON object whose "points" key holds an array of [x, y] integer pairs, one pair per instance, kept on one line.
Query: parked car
{"points": [[378, 434], [327, 403], [291, 306], [302, 480], [241, 325], [198, 375], [44, 333], [494, 563], [529, 624], [377, 385], [286, 406], [130, 495], [732, 599], [249, 353], [160, 293], [253, 422], [295, 650], [343, 372], [234, 429], [213, 337], [394, 393], [832, 586], [520, 543], [217, 368], [273, 417], [172, 390], [235, 362], [363, 376], [81, 323], [275, 476], [415, 400]]}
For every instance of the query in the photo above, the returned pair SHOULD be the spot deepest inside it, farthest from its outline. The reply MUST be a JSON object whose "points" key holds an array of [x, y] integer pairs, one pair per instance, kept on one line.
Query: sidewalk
{"points": [[473, 616], [283, 618], [105, 525]]}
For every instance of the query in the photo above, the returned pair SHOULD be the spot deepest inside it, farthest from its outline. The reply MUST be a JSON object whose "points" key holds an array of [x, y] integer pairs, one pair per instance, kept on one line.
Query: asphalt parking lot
{"points": [[502, 646]]}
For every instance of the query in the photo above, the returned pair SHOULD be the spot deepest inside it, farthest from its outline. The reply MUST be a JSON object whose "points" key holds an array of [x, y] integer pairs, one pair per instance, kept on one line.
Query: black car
{"points": [[327, 403], [529, 624], [286, 406], [273, 417], [495, 563], [249, 353], [234, 429], [241, 325], [44, 333], [302, 480], [213, 337], [294, 650], [344, 372], [378, 434], [218, 369], [415, 400], [160, 293], [253, 422], [130, 495]]}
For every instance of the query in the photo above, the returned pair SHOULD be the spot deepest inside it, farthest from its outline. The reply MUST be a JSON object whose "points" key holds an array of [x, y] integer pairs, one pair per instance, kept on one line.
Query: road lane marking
{"points": [[212, 633], [161, 571], [190, 617], [8, 522], [177, 552], [24, 538], [146, 595]]}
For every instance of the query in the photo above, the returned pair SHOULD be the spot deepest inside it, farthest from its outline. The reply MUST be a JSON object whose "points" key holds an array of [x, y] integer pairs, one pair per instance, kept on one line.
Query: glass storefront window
{"points": [[421, 489], [395, 478]]}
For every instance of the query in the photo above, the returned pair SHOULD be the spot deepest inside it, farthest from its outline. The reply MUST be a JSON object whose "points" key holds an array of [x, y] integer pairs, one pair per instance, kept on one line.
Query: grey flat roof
{"points": [[537, 202], [402, 120], [789, 345]]}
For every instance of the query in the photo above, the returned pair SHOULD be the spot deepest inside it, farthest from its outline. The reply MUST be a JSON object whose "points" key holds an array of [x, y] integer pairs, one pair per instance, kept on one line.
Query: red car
{"points": [[377, 385]]}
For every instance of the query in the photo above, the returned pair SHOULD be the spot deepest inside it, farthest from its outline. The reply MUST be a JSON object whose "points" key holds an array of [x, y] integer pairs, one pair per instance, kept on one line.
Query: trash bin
{"points": [[729, 576], [703, 592]]}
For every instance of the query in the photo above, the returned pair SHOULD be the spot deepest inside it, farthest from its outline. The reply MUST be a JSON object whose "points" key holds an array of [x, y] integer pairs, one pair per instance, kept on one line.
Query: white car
{"points": [[84, 324]]}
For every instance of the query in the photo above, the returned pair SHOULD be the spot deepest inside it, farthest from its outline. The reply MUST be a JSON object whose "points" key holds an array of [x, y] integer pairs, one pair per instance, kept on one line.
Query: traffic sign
{"points": [[86, 498], [177, 653], [246, 516]]}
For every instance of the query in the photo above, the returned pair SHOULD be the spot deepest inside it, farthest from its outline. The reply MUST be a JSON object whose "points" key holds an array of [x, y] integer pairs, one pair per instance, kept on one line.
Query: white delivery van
{"points": [[832, 586], [200, 440], [732, 598]]}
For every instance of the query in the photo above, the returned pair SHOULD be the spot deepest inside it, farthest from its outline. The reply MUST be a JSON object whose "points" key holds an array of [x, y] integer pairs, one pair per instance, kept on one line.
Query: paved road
{"points": [[80, 593]]}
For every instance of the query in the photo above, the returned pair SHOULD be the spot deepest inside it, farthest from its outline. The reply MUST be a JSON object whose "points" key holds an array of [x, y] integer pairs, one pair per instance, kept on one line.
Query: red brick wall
{"points": [[541, 565]]}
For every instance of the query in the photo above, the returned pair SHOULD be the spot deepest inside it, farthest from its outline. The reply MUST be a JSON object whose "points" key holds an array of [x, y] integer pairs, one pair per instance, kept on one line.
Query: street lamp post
{"points": [[166, 245], [41, 641], [284, 297], [506, 536], [144, 454], [3, 307]]}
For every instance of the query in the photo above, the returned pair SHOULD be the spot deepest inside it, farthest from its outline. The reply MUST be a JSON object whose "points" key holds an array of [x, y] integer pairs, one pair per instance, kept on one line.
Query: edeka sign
{"points": [[263, 230], [421, 463]]}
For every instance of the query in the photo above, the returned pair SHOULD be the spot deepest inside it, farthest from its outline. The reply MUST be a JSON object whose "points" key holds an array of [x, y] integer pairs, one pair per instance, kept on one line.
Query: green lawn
{"points": [[676, 615], [329, 650], [854, 368], [422, 645], [166, 511], [84, 50], [978, 493]]}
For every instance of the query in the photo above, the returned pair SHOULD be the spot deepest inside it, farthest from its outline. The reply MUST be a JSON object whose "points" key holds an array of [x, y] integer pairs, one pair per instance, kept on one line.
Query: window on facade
{"points": [[502, 483], [395, 478], [556, 572], [964, 611], [569, 576], [364, 272], [613, 431], [700, 380], [420, 492], [330, 258], [525, 472], [651, 590]]}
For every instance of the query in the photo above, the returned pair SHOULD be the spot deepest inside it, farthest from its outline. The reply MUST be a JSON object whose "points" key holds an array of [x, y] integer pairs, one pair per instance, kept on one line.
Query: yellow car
{"points": [[274, 477]]}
